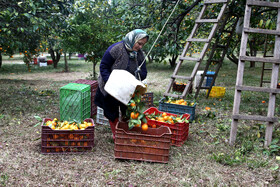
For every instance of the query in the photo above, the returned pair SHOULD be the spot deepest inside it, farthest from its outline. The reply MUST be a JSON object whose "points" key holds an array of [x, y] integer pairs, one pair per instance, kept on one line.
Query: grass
{"points": [[205, 159]]}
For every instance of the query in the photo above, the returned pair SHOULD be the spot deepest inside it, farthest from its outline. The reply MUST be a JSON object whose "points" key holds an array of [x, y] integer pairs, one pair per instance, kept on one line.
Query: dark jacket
{"points": [[116, 57]]}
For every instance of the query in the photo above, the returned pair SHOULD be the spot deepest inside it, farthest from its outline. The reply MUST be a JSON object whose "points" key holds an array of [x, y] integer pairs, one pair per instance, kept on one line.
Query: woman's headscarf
{"points": [[131, 38]]}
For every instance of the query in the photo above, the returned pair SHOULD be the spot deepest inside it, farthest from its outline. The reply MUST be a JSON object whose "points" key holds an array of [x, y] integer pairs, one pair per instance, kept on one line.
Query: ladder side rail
{"points": [[218, 67], [239, 78], [274, 79]]}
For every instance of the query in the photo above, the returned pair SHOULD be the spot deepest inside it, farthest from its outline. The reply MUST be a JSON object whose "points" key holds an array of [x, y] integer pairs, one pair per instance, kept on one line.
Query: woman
{"points": [[126, 55]]}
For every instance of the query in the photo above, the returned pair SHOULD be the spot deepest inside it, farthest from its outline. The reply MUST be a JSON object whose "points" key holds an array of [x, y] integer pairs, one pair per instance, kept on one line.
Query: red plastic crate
{"points": [[152, 145], [180, 131], [93, 87], [66, 141], [49, 62]]}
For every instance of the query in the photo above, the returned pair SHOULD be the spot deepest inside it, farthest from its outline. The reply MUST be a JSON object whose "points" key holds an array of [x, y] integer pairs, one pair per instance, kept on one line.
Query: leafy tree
{"points": [[134, 15], [91, 30], [24, 24]]}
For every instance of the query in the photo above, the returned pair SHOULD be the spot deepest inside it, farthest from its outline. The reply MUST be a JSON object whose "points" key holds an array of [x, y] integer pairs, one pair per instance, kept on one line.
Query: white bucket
{"points": [[122, 84], [197, 79]]}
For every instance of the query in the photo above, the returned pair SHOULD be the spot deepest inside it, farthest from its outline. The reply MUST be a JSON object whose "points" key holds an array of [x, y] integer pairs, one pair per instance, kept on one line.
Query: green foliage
{"points": [[273, 149], [25, 24]]}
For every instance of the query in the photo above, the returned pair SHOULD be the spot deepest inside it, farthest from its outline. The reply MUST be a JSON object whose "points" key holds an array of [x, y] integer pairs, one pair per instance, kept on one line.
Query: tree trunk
{"points": [[172, 61], [66, 63], [94, 72], [55, 57], [70, 55], [150, 59], [253, 52], [0, 60]]}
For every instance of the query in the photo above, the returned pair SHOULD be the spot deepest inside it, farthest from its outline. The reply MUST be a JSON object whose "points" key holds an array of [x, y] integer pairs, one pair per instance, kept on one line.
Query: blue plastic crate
{"points": [[209, 79], [177, 109]]}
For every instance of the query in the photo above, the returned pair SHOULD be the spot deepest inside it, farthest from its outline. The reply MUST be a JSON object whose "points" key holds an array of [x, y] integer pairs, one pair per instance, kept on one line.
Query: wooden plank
{"points": [[197, 40], [258, 89], [239, 76], [181, 77], [215, 1], [207, 21], [263, 3], [172, 95], [259, 59], [261, 31], [254, 117], [190, 59]]}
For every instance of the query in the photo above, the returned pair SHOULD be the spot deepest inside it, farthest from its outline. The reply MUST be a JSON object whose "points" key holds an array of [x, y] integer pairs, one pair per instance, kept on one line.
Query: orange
{"points": [[133, 140], [132, 115], [133, 104], [137, 125], [145, 127], [164, 114], [55, 136], [161, 119], [154, 126], [166, 118], [136, 115]]}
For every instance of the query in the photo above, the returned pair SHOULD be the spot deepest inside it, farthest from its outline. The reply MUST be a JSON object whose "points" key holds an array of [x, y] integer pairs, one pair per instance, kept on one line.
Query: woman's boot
{"points": [[113, 127]]}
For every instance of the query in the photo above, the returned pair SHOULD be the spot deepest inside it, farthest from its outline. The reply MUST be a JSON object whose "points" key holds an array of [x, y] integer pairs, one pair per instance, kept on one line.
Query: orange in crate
{"points": [[66, 141], [180, 130]]}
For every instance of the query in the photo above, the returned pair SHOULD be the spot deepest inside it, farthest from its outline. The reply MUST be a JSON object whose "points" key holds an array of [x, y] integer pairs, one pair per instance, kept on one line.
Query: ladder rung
{"points": [[267, 69], [261, 31], [254, 117], [171, 95], [263, 3], [258, 89], [215, 1], [206, 21], [181, 77], [258, 59], [190, 59], [209, 75], [266, 81], [198, 40]]}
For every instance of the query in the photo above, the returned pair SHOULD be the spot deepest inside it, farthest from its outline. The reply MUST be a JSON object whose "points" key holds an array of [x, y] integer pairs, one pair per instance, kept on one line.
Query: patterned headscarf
{"points": [[131, 38]]}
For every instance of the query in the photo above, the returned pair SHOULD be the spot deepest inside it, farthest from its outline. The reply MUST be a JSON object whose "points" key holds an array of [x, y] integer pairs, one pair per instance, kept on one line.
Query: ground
{"points": [[205, 159]]}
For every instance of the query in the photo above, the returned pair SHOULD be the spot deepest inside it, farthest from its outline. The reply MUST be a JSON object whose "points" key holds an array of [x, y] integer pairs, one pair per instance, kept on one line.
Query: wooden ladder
{"points": [[200, 20], [270, 119], [219, 49]]}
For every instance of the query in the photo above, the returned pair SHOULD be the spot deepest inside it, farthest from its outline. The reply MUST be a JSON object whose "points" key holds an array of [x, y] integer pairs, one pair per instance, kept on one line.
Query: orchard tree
{"points": [[25, 24], [91, 31], [152, 15]]}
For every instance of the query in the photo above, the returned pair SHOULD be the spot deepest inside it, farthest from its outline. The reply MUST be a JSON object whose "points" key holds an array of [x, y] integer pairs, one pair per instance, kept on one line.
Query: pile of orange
{"points": [[180, 102], [55, 124], [167, 118], [134, 113]]}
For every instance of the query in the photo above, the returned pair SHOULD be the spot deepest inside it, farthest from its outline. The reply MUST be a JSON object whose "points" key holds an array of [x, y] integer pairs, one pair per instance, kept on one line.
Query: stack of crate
{"points": [[93, 88]]}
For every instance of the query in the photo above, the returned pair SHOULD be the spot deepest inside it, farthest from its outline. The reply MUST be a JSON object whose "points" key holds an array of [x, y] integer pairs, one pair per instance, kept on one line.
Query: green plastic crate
{"points": [[75, 102]]}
